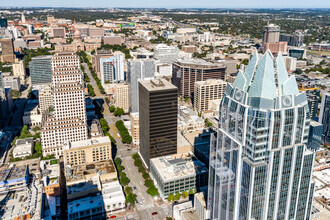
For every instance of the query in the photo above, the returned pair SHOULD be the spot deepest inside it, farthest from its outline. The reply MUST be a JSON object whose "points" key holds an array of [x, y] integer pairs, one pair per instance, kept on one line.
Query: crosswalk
{"points": [[146, 206]]}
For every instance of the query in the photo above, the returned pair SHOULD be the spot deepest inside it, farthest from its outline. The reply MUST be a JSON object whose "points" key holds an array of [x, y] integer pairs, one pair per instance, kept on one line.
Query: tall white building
{"points": [[166, 54], [112, 68], [45, 98], [260, 164], [67, 122]]}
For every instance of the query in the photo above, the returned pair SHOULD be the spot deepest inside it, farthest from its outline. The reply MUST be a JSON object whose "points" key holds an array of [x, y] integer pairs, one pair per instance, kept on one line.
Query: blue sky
{"points": [[171, 3]]}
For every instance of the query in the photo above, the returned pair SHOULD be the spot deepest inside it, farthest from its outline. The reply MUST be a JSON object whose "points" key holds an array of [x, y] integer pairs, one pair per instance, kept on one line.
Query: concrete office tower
{"points": [[325, 117], [41, 70], [166, 54], [112, 68], [136, 70], [260, 166], [6, 50], [206, 91], [19, 70], [187, 72], [45, 98], [67, 123], [271, 34], [158, 115]]}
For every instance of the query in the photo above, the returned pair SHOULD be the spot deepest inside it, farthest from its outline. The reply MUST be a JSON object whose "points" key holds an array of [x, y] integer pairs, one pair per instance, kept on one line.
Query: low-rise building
{"points": [[188, 120], [13, 82], [23, 148], [119, 95], [177, 173], [87, 151], [13, 178], [32, 115]]}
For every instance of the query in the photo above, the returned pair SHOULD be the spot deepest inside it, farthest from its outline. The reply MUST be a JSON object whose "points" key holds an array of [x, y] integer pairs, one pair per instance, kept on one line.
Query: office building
{"points": [[271, 34], [325, 117], [24, 147], [166, 54], [260, 164], [158, 115], [206, 91], [57, 32], [188, 71], [45, 98], [138, 70], [6, 50], [313, 97], [112, 68], [135, 128], [3, 23], [113, 40], [41, 70], [12, 82], [19, 70], [290, 63], [177, 173], [97, 57], [87, 151], [315, 135], [32, 116], [296, 39], [119, 95], [67, 121], [276, 48], [298, 53]]}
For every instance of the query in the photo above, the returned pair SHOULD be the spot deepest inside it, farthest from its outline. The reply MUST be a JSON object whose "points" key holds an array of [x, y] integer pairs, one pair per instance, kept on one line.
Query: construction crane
{"points": [[305, 89]]}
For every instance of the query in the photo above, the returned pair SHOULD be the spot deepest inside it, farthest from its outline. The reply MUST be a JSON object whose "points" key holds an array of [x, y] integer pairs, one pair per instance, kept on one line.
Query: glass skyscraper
{"points": [[260, 165], [41, 70]]}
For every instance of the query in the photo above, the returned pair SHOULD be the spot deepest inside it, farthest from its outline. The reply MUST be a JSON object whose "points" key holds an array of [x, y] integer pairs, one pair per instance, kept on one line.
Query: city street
{"points": [[145, 204]]}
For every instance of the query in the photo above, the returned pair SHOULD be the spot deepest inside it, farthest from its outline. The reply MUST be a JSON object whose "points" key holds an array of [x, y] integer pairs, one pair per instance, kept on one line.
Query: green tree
{"points": [[38, 148], [185, 194], [135, 156], [170, 197], [191, 192], [177, 196], [145, 176], [148, 183], [118, 112], [138, 162], [131, 199], [128, 190], [90, 90], [153, 191], [141, 169], [107, 100], [112, 108], [35, 129], [37, 135]]}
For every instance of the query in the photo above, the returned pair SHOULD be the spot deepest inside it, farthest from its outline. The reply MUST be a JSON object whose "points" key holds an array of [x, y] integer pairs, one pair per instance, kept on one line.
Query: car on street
{"points": [[154, 213]]}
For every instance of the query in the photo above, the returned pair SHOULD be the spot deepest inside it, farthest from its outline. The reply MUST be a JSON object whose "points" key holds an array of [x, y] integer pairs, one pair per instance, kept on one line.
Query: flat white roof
{"points": [[88, 142]]}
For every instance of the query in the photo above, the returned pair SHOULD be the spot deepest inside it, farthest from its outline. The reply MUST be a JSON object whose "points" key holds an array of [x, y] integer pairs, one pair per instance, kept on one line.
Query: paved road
{"points": [[146, 205]]}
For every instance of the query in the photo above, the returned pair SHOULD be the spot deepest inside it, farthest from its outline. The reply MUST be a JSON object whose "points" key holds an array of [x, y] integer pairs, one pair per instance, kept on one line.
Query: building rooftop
{"points": [[88, 142], [178, 166], [12, 172], [157, 84], [210, 82], [199, 63], [24, 141]]}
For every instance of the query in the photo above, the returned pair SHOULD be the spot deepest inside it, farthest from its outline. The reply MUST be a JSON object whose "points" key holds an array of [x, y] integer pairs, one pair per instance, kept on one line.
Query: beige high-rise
{"points": [[135, 127], [206, 91], [45, 98], [68, 121], [19, 70]]}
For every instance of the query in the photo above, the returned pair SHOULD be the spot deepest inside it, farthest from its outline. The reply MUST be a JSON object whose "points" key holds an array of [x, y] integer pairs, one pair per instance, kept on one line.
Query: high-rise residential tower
{"points": [[112, 68], [260, 164], [67, 121], [158, 116], [271, 34]]}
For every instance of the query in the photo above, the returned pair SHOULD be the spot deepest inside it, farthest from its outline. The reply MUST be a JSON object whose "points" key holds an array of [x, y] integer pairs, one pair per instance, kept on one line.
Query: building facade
{"points": [[67, 122], [260, 164], [187, 72], [19, 70], [138, 69], [135, 127], [325, 117], [6, 50], [41, 70], [206, 91], [45, 98], [112, 68], [158, 117], [315, 135]]}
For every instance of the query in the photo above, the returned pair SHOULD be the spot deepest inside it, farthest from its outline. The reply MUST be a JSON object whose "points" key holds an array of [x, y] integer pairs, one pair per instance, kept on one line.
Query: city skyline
{"points": [[171, 4]]}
